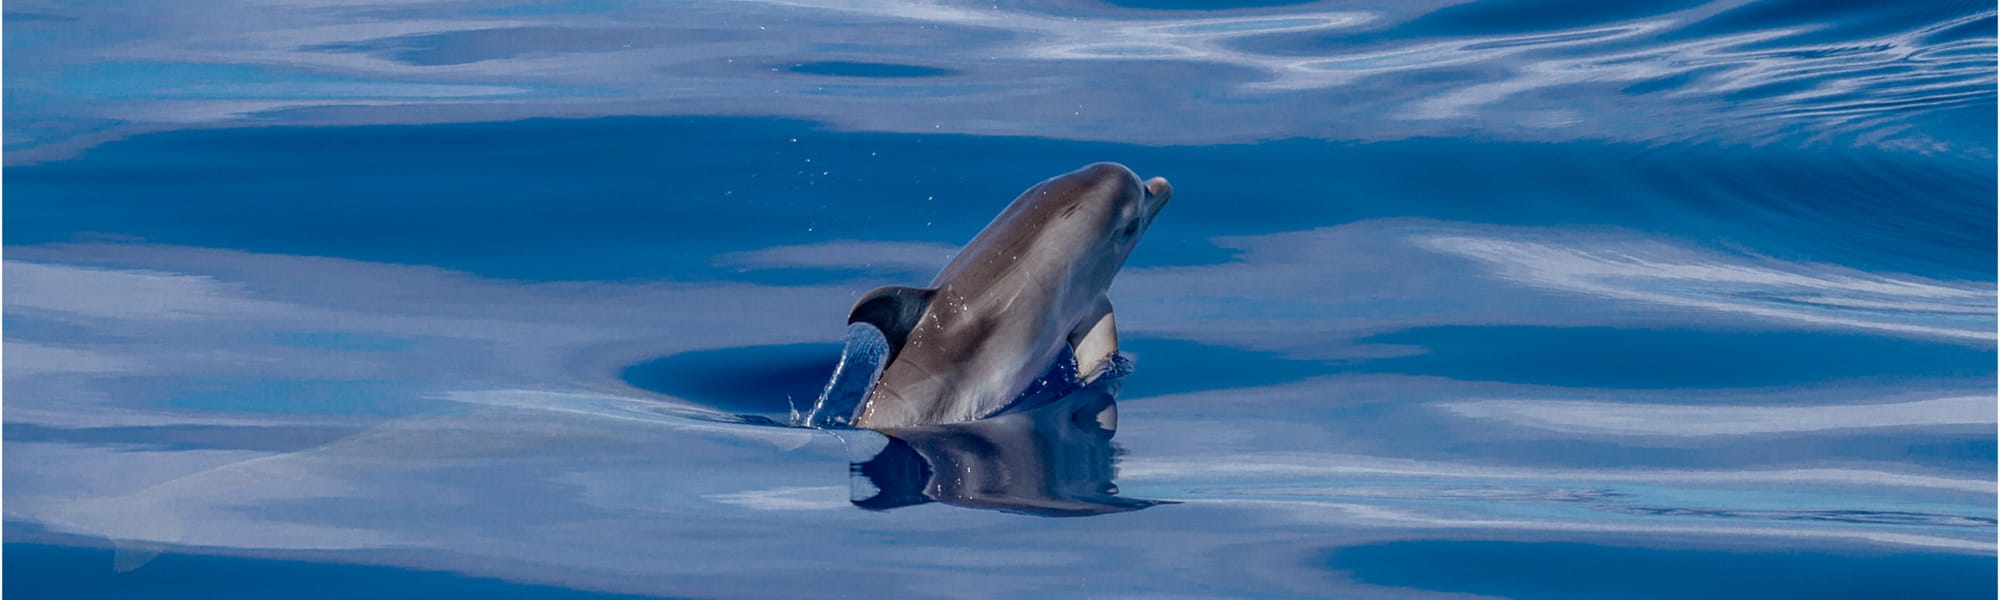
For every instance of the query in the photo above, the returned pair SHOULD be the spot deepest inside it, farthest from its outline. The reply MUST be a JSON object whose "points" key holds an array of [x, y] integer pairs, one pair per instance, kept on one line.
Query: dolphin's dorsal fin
{"points": [[894, 310]]}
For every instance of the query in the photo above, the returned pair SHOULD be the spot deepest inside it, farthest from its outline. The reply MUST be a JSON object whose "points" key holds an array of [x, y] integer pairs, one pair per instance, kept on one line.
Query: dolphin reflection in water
{"points": [[1049, 455]]}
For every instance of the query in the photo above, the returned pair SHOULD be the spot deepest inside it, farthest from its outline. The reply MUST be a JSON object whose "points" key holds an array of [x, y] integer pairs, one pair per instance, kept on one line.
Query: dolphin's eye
{"points": [[1131, 229]]}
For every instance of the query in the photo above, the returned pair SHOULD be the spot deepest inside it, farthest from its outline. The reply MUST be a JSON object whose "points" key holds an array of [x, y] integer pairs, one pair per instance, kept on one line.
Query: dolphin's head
{"points": [[1103, 209]]}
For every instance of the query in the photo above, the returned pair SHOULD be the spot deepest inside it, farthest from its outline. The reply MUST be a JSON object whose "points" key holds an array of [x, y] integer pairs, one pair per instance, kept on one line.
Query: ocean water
{"points": [[508, 298]]}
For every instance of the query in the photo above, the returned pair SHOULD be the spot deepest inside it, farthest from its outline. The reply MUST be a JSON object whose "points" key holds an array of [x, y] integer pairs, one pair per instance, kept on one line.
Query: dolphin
{"points": [[996, 318]]}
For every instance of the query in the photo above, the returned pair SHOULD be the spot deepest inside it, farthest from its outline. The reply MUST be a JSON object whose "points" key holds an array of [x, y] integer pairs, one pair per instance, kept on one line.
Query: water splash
{"points": [[861, 361]]}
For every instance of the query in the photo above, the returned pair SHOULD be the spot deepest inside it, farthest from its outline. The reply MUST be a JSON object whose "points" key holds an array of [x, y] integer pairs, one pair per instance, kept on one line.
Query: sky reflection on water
{"points": [[1524, 69], [489, 287]]}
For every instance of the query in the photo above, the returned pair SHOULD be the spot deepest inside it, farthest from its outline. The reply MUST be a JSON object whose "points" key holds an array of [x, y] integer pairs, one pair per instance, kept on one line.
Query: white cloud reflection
{"points": [[1609, 418], [788, 498], [1661, 274], [123, 294], [29, 359]]}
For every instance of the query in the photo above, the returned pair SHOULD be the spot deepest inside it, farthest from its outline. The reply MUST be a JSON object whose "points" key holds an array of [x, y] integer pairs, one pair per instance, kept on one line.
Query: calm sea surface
{"points": [[503, 298]]}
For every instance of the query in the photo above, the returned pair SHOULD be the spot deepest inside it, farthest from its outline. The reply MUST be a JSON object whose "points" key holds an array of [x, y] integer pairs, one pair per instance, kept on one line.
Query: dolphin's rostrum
{"points": [[996, 317]]}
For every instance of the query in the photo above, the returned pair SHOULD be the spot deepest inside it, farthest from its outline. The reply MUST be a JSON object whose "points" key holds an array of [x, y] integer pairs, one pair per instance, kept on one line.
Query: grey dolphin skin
{"points": [[998, 316]]}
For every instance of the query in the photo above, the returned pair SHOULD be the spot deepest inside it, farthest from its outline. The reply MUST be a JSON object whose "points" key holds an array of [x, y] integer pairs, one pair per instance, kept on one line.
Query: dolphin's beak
{"points": [[1158, 191]]}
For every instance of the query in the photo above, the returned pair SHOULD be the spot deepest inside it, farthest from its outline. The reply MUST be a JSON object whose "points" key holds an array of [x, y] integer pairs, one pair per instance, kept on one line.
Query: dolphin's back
{"points": [[1024, 223]]}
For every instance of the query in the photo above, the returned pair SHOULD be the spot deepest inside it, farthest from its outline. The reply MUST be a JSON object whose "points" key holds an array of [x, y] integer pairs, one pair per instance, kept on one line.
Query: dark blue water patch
{"points": [[767, 381], [860, 278], [182, 437], [1165, 366], [14, 17], [1534, 16], [1891, 205], [1947, 450], [873, 70], [1579, 570], [49, 571], [618, 198], [1605, 357]]}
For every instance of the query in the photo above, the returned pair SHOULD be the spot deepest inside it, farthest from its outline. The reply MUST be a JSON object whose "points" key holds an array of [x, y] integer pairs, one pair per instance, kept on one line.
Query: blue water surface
{"points": [[515, 298], [1576, 570], [49, 571]]}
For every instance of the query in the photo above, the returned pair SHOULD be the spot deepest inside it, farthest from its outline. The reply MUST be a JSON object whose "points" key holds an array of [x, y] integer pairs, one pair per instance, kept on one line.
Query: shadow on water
{"points": [[751, 381]]}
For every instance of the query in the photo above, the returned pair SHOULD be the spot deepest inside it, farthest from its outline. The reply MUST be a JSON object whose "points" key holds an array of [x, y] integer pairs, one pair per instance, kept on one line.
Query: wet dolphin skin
{"points": [[996, 317]]}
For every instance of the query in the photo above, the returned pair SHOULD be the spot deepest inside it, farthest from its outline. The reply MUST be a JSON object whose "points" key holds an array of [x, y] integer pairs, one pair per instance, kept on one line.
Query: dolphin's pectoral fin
{"points": [[893, 309], [1095, 342]]}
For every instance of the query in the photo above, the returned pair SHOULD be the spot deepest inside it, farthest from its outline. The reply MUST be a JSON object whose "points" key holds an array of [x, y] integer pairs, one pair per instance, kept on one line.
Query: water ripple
{"points": [[1755, 72]]}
